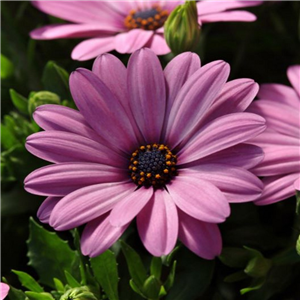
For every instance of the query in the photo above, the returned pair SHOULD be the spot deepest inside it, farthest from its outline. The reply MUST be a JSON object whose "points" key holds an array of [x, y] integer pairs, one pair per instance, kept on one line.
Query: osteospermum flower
{"points": [[166, 147], [125, 26], [4, 289], [280, 106]]}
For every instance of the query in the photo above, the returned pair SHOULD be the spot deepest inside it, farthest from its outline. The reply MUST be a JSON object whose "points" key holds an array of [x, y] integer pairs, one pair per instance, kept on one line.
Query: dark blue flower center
{"points": [[149, 19], [152, 165]]}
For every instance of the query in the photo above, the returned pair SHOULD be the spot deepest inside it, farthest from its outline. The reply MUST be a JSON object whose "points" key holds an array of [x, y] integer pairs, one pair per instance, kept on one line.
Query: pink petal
{"points": [[199, 198], [46, 208], [277, 188], [237, 184], [61, 118], [88, 203], [133, 40], [279, 93], [228, 16], [62, 179], [158, 224], [279, 160], [91, 48], [193, 100], [236, 96], [208, 7], [158, 44], [147, 93], [50, 32], [59, 146], [202, 238], [81, 11], [222, 133], [280, 117], [177, 72], [297, 184], [98, 235], [102, 110], [4, 289], [130, 206], [293, 74], [243, 155]]}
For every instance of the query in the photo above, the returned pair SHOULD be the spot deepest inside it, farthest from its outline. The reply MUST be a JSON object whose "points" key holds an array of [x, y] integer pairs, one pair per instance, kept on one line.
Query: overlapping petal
{"points": [[46, 208]]}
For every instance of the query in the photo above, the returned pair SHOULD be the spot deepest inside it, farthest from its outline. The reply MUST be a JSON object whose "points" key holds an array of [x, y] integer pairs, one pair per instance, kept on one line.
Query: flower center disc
{"points": [[152, 165], [150, 19]]}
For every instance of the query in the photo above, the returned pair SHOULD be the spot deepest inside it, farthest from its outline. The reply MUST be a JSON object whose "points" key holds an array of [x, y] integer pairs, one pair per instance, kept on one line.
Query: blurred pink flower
{"points": [[280, 106], [126, 26], [4, 289], [166, 146]]}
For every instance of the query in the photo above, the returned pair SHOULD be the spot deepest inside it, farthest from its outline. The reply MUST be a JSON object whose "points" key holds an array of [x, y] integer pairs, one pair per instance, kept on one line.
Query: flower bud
{"points": [[79, 293], [182, 30], [39, 98]]}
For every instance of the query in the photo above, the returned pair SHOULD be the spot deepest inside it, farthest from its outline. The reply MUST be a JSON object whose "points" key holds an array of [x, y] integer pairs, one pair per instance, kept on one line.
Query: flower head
{"points": [[4, 289], [125, 26], [280, 106], [164, 146]]}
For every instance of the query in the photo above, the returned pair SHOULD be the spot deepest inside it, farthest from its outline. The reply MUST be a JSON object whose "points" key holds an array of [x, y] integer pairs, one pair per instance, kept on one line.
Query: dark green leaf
{"points": [[28, 282], [298, 245], [72, 282], [56, 80], [170, 280], [155, 267], [15, 294], [7, 68], [256, 284], [19, 101], [151, 287], [237, 276], [167, 260], [8, 140], [49, 255], [136, 288], [235, 257], [135, 265], [39, 296], [105, 271]]}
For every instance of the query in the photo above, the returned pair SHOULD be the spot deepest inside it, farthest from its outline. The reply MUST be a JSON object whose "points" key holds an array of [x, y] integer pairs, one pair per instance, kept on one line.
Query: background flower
{"points": [[186, 117], [4, 289], [125, 26], [279, 105]]}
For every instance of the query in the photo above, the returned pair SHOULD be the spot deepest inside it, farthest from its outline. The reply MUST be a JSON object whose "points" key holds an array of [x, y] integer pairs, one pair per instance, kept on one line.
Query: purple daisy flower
{"points": [[279, 105], [165, 146], [128, 25]]}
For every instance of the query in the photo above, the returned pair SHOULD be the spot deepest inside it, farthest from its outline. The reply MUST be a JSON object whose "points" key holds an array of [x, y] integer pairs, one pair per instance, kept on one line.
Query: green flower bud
{"points": [[79, 293], [39, 98], [182, 30]]}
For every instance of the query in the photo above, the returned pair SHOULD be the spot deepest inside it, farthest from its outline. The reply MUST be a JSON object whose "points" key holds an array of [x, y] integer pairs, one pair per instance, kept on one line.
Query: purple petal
{"points": [[46, 208], [62, 179], [4, 289], [158, 224], [158, 45], [102, 110], [237, 184], [88, 203], [98, 235], [147, 94], [243, 155], [59, 146], [199, 198], [50, 32], [279, 160], [130, 206], [132, 40], [91, 48], [230, 16], [202, 238], [236, 96], [193, 100], [277, 188], [279, 93], [293, 74], [222, 133]]}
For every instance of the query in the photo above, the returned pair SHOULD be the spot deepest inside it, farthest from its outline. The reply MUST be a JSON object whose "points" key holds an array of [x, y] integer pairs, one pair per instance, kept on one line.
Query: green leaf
{"points": [[167, 260], [298, 245], [28, 282], [136, 288], [49, 255], [155, 267], [193, 275], [170, 280], [39, 296], [256, 284], [15, 294], [105, 271], [298, 203], [58, 285], [237, 276], [151, 287], [7, 68], [56, 80], [135, 265], [72, 282], [19, 101], [8, 140], [235, 257]]}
